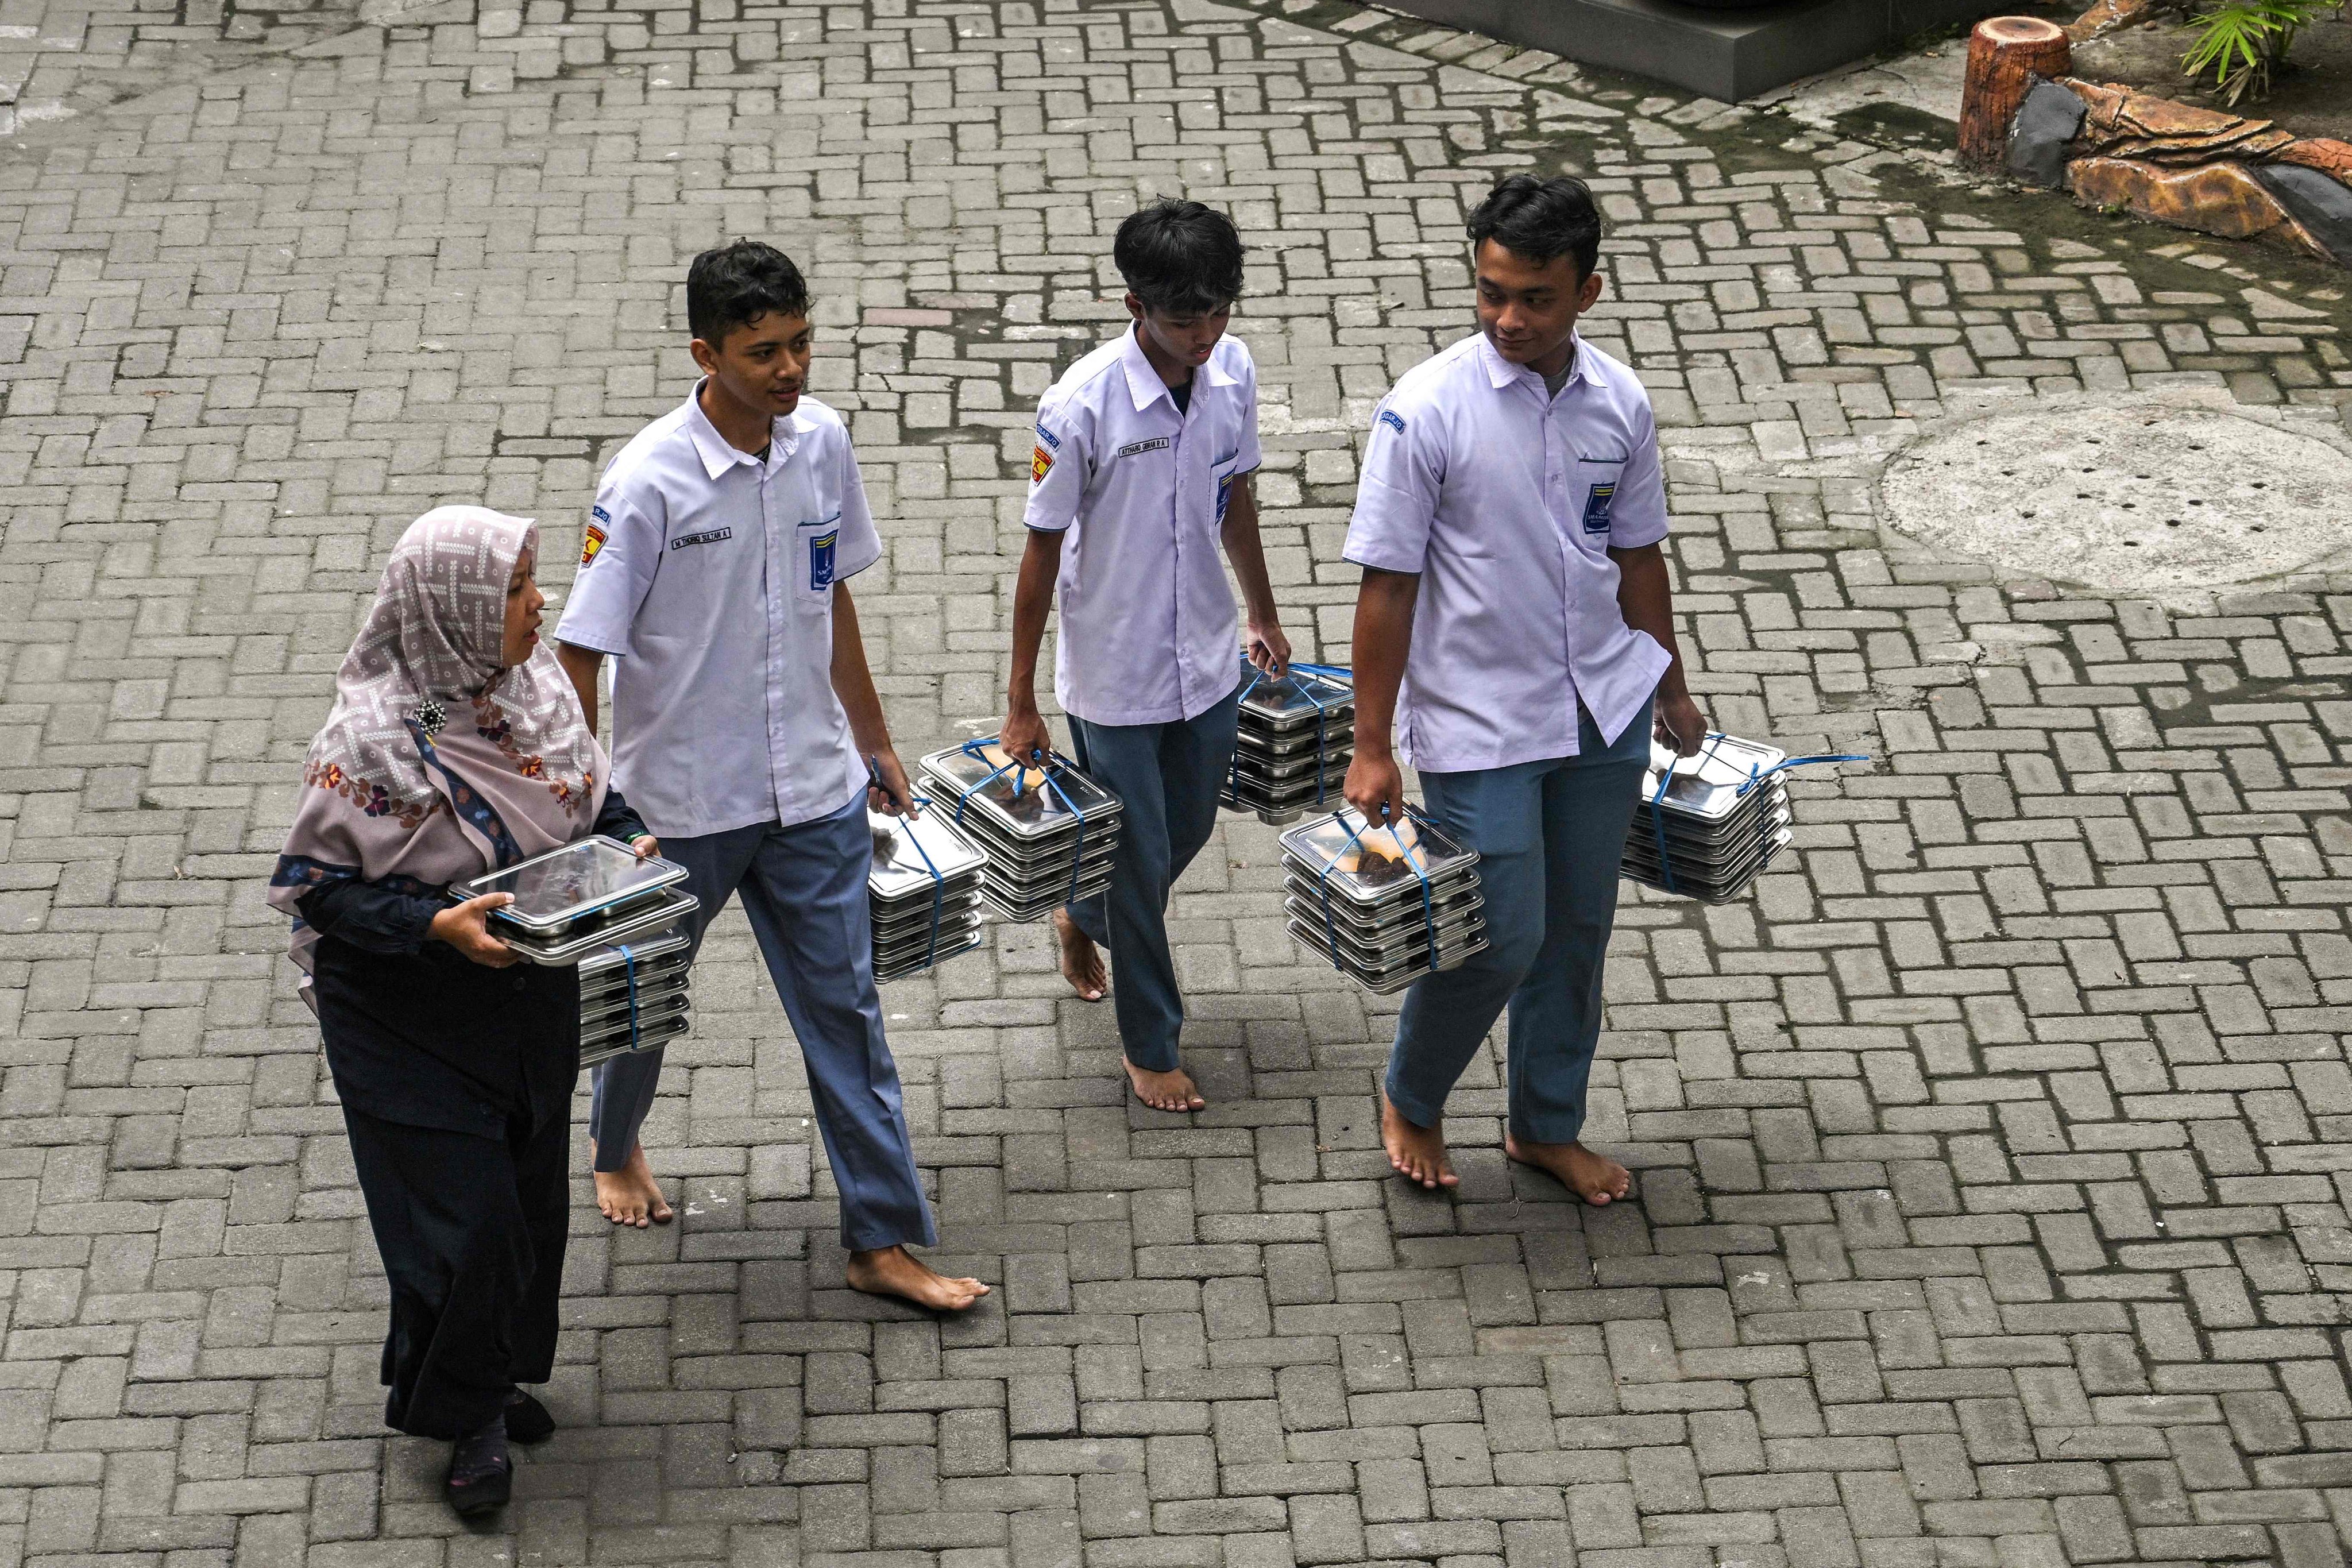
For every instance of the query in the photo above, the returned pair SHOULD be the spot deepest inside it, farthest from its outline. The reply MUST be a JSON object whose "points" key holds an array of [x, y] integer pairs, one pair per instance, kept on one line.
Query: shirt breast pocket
{"points": [[816, 552], [1594, 497]]}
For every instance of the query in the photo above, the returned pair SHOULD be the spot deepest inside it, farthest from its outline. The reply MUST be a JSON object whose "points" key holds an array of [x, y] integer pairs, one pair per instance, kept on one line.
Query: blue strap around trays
{"points": [[1290, 677], [1715, 738], [1053, 763], [1412, 858], [939, 883]]}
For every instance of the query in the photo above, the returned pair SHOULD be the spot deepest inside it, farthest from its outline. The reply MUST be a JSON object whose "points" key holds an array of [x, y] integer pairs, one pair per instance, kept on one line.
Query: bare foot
{"points": [[894, 1271], [631, 1195], [1417, 1153], [1082, 963], [1173, 1091], [1595, 1178]]}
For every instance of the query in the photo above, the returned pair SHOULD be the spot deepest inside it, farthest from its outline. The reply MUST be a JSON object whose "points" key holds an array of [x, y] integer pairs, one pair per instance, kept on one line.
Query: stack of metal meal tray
{"points": [[1384, 907], [1292, 741], [593, 904], [1709, 826], [1048, 832], [633, 995], [924, 891]]}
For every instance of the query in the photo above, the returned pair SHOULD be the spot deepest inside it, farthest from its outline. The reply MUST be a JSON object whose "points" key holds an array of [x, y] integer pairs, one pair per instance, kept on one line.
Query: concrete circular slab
{"points": [[2124, 497]]}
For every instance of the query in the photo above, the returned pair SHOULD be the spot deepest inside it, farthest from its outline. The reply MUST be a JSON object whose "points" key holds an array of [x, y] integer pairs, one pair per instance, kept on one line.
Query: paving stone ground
{"points": [[1993, 1156]]}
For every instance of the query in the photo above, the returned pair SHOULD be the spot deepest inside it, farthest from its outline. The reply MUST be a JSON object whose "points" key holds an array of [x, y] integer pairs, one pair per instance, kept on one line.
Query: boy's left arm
{"points": [[1268, 648], [1637, 532], [853, 682], [852, 679]]}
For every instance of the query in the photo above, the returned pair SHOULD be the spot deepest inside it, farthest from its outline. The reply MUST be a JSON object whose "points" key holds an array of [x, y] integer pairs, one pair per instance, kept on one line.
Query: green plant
{"points": [[2238, 44]]}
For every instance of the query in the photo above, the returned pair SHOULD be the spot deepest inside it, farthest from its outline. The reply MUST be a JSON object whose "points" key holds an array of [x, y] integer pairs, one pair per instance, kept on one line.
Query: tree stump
{"points": [[2005, 54]]}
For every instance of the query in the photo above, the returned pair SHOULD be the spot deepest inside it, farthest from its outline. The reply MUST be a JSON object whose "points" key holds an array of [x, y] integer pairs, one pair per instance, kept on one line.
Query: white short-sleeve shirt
{"points": [[710, 574], [1507, 501], [1150, 633]]}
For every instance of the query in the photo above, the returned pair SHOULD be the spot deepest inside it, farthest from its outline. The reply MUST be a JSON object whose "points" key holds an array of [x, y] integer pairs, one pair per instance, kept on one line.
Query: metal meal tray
{"points": [[1324, 842], [1298, 799], [1336, 742], [623, 925], [1003, 863], [1033, 813], [899, 969], [1446, 903], [1762, 806], [1461, 893], [1383, 983], [1250, 770], [918, 913], [666, 946], [1008, 860], [617, 1028], [953, 938], [615, 1013], [1025, 910], [1388, 948], [900, 846], [615, 981], [1702, 882], [614, 1017], [1451, 949], [1728, 847], [1401, 905], [605, 1051], [556, 891], [1708, 784]]}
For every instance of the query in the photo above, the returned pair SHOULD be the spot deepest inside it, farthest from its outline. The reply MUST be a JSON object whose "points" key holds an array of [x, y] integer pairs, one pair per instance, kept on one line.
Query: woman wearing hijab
{"points": [[456, 746]]}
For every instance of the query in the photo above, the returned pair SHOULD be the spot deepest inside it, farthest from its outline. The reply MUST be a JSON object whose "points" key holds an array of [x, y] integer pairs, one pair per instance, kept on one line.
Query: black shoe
{"points": [[528, 1420], [481, 1472]]}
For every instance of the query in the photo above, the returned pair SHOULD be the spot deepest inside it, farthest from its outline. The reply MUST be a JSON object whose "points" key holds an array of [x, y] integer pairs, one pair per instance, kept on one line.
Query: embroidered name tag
{"points": [[1393, 420], [821, 558], [1596, 508], [713, 537], [1134, 447]]}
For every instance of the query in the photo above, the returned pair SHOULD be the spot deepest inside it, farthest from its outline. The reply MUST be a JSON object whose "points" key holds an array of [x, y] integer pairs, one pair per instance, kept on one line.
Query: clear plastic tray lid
{"points": [[1296, 698], [554, 889], [1710, 784], [1026, 801], [1373, 864], [901, 846]]}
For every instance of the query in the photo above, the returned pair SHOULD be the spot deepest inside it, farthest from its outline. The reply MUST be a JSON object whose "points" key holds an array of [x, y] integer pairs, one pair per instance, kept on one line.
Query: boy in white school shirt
{"points": [[717, 571], [1141, 471], [1514, 617]]}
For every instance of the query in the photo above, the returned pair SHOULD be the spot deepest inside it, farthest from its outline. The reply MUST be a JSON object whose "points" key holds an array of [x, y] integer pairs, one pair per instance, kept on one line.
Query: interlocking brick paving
{"points": [[1993, 1160]]}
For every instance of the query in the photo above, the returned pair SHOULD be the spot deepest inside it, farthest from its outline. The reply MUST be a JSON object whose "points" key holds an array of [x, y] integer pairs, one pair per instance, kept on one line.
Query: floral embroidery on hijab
{"points": [[492, 724]]}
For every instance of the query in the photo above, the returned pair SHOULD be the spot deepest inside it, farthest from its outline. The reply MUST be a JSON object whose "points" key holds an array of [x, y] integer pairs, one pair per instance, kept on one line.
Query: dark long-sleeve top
{"points": [[419, 1034]]}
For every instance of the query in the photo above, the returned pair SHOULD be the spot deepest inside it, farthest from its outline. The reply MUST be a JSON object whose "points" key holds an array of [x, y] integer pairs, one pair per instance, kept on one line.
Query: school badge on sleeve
{"points": [[589, 543], [1041, 463]]}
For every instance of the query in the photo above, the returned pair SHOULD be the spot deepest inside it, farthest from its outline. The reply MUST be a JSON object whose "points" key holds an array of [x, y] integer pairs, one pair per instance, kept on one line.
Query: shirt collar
{"points": [[1143, 383], [1501, 372], [718, 454]]}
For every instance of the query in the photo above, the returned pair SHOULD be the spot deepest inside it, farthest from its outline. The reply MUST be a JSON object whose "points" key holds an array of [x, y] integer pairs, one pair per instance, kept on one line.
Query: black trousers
{"points": [[472, 1231]]}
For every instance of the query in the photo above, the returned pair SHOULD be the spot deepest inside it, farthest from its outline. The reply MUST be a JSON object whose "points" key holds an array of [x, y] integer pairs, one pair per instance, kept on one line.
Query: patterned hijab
{"points": [[436, 764]]}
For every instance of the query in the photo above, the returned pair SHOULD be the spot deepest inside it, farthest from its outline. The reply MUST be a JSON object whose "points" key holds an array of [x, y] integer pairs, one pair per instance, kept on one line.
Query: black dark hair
{"points": [[1180, 259], [736, 283], [1541, 219]]}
